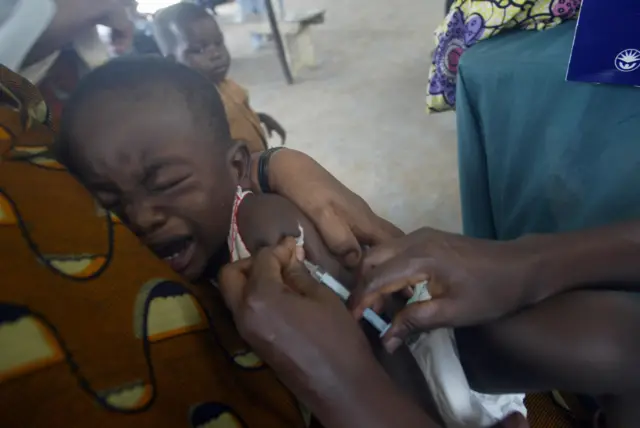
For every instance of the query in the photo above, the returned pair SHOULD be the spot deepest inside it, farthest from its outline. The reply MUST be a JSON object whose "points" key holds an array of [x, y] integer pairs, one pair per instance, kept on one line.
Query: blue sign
{"points": [[606, 46]]}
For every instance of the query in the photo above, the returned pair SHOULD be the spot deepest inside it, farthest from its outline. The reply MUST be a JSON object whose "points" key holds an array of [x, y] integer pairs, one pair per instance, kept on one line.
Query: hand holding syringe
{"points": [[326, 279]]}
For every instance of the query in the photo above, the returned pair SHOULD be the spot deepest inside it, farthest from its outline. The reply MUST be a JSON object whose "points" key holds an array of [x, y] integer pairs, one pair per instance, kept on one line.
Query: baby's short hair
{"points": [[146, 78], [181, 13]]}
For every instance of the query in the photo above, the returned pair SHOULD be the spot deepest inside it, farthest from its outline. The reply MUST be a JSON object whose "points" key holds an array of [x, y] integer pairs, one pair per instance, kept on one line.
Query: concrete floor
{"points": [[361, 113]]}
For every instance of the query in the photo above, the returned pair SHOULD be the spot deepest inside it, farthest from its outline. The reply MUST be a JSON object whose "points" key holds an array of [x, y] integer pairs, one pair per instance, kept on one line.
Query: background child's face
{"points": [[169, 182], [201, 47]]}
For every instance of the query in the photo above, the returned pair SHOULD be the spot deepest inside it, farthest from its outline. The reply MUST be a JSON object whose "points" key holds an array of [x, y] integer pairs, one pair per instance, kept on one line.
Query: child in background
{"points": [[189, 34]]}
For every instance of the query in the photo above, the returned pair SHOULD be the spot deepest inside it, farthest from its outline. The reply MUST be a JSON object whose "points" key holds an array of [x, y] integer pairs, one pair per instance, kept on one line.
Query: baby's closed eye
{"points": [[165, 184]]}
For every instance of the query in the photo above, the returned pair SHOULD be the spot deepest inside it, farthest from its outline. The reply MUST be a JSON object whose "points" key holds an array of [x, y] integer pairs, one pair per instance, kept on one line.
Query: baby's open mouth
{"points": [[176, 252]]}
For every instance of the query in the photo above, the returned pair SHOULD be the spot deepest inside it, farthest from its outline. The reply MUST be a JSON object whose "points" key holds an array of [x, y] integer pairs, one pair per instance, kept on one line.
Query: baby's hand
{"points": [[272, 125]]}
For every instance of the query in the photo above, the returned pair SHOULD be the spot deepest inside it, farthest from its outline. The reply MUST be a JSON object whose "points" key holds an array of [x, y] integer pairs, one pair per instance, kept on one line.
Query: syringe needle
{"points": [[326, 279]]}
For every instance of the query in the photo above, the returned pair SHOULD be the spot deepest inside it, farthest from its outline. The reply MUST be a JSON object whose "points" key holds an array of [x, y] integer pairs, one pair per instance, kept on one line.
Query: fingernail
{"points": [[300, 253], [352, 258], [392, 344]]}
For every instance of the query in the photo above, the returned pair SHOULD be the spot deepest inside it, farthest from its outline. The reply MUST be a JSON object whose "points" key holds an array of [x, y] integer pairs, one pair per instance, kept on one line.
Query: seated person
{"points": [[68, 45], [92, 324], [189, 34]]}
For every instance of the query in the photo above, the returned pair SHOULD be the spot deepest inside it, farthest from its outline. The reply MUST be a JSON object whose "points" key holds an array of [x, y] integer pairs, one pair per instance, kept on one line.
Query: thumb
{"points": [[267, 269], [298, 278], [294, 273], [232, 281], [376, 230], [389, 277], [416, 317], [338, 236]]}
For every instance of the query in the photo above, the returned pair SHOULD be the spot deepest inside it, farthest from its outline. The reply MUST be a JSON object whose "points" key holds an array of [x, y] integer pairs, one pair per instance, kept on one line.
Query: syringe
{"points": [[325, 278]]}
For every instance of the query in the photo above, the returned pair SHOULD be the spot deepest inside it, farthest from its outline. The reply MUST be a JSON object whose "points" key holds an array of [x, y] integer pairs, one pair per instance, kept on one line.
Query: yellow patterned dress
{"points": [[94, 330], [470, 21]]}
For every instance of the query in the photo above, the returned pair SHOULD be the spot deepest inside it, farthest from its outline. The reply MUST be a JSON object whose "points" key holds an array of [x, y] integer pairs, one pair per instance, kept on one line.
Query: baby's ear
{"points": [[240, 161]]}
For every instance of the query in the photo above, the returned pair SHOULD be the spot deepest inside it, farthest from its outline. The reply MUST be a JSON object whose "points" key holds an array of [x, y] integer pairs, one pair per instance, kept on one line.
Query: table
{"points": [[292, 36], [539, 154]]}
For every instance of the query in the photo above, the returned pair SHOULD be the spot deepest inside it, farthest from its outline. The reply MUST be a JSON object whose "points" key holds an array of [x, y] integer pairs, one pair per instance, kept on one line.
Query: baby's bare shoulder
{"points": [[264, 220]]}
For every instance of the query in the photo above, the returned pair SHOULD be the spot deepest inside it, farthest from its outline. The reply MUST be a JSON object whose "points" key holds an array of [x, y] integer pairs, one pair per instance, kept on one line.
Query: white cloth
{"points": [[460, 407], [237, 248], [21, 24]]}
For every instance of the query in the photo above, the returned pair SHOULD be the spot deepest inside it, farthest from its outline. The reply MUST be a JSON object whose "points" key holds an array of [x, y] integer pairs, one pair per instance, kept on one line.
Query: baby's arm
{"points": [[264, 220]]}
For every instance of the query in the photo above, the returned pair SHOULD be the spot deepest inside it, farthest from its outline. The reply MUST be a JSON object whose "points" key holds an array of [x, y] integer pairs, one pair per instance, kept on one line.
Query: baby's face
{"points": [[167, 181], [200, 45]]}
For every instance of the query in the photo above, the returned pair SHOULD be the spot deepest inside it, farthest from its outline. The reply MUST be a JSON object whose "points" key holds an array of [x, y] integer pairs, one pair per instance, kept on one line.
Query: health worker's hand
{"points": [[470, 280], [345, 221], [304, 332], [299, 327]]}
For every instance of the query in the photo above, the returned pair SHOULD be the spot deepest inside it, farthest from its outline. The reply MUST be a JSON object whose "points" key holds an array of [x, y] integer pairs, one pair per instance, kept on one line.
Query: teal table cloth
{"points": [[536, 153]]}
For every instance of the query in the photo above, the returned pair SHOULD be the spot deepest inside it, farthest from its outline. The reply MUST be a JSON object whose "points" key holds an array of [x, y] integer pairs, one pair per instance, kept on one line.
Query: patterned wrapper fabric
{"points": [[95, 331], [470, 21]]}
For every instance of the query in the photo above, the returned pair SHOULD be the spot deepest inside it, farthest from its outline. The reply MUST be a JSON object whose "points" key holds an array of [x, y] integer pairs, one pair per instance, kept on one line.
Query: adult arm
{"points": [[75, 16], [527, 333], [343, 219], [309, 339], [16, 37], [601, 258], [317, 349], [475, 281], [265, 220]]}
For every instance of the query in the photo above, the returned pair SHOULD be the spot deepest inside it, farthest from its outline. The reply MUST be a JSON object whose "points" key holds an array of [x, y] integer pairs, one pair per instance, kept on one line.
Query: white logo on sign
{"points": [[628, 60]]}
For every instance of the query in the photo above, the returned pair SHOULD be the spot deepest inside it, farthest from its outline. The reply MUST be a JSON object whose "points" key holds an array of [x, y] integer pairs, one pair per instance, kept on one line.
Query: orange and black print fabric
{"points": [[94, 330]]}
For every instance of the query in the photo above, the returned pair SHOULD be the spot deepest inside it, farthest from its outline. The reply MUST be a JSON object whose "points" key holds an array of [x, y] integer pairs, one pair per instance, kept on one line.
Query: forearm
{"points": [[277, 160], [598, 258], [368, 398], [280, 160], [584, 341], [67, 23]]}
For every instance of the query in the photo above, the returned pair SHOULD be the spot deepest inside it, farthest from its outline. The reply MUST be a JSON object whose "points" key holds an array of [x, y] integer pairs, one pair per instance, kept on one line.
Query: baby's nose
{"points": [[143, 217]]}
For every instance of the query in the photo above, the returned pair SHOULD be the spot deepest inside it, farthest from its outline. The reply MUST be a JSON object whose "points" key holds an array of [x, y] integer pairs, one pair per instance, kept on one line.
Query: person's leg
{"points": [[585, 342]]}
